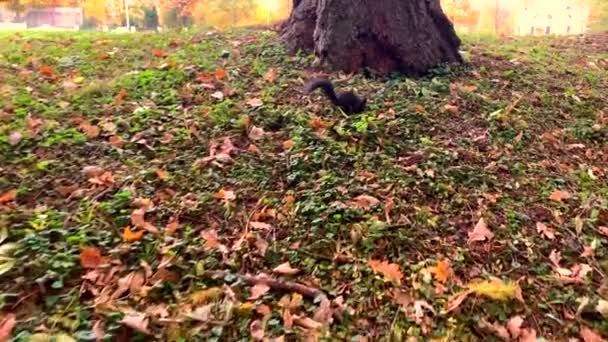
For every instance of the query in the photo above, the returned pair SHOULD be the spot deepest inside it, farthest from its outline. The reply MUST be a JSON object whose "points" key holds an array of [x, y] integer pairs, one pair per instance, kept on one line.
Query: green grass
{"points": [[528, 117]]}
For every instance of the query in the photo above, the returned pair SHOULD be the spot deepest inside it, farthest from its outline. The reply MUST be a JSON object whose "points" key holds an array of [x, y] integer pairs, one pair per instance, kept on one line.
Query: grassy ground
{"points": [[143, 177]]}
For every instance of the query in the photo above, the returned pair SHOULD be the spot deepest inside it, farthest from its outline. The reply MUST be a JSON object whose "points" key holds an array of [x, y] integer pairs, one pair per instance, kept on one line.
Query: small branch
{"points": [[274, 284]]}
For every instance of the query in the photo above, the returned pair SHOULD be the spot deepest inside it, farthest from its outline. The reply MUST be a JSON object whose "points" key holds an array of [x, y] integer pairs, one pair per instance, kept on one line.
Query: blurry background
{"points": [[507, 17]]}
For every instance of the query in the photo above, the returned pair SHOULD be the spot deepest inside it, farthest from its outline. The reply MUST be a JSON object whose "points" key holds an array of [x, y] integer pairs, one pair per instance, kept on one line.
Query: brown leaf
{"points": [[220, 74], [8, 196], [287, 319], [258, 290], [162, 174], [204, 77], [120, 97], [307, 323], [98, 331], [129, 236], [256, 133], [90, 257], [323, 314], [545, 231], [451, 108], [480, 232], [116, 141], [260, 225], [559, 195], [166, 138], [89, 130], [391, 272], [419, 108], [15, 138], [172, 226], [256, 329], [456, 300], [589, 335], [496, 328], [226, 195], [7, 324], [263, 310], [211, 238], [318, 124], [514, 326], [270, 76], [137, 321], [156, 52], [91, 171], [288, 144], [137, 218], [285, 268], [261, 245], [364, 202], [528, 335]]}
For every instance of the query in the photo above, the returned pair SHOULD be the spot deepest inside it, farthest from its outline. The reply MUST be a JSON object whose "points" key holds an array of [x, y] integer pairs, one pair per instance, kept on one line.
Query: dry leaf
{"points": [[46, 71], [589, 335], [419, 108], [136, 321], [263, 310], [260, 225], [172, 226], [323, 314], [90, 257], [255, 102], [559, 195], [220, 74], [258, 290], [120, 97], [364, 202], [98, 331], [15, 138], [456, 300], [288, 144], [204, 77], [307, 323], [261, 245], [496, 289], [391, 272], [8, 196], [211, 239], [442, 271], [116, 141], [480, 232], [270, 76], [156, 52], [256, 133], [129, 236], [162, 174], [495, 327], [514, 326], [451, 108], [226, 195], [528, 335], [256, 329], [287, 319], [7, 324], [545, 231], [285, 268], [137, 218], [218, 95], [89, 130]]}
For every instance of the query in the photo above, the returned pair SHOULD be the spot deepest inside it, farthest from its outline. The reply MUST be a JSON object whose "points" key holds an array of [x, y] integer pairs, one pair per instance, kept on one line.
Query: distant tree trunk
{"points": [[410, 36]]}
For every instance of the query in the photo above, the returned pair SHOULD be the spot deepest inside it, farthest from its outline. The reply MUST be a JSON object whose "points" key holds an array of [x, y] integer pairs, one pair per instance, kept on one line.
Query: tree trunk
{"points": [[410, 36]]}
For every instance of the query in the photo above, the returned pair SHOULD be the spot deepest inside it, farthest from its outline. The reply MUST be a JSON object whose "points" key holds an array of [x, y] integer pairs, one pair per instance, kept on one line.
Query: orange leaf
{"points": [[559, 195], [258, 290], [260, 225], [545, 231], [162, 174], [364, 202], [116, 141], [46, 71], [90, 257], [456, 300], [226, 195], [480, 232], [130, 236], [442, 271], [316, 123], [7, 324], [8, 196], [211, 238], [172, 226], [391, 272], [220, 74], [589, 335], [159, 53], [204, 77], [419, 108], [91, 131], [120, 97], [270, 76], [288, 144], [285, 268]]}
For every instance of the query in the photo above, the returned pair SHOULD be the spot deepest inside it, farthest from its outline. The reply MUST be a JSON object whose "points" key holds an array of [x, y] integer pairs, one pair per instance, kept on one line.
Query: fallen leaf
{"points": [[258, 290], [218, 95], [7, 324], [442, 271], [391, 272], [260, 225], [90, 257], [166, 138], [120, 97], [559, 195], [204, 77], [364, 202], [270, 76], [324, 313], [15, 138], [419, 108], [130, 236], [8, 196], [116, 141], [545, 231], [47, 71], [137, 321], [589, 335], [256, 133], [456, 300], [317, 124], [288, 144], [137, 218], [226, 195], [496, 289], [205, 296], [514, 326], [256, 329], [156, 52], [91, 171], [261, 245], [528, 335], [255, 102], [499, 330], [285, 268], [451, 108], [98, 331], [480, 232], [89, 130], [263, 310], [78, 80], [162, 174], [307, 323], [220, 74], [172, 226], [211, 239]]}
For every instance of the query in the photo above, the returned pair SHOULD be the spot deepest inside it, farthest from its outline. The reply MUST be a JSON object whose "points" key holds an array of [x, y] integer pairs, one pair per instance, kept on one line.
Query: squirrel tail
{"points": [[325, 85]]}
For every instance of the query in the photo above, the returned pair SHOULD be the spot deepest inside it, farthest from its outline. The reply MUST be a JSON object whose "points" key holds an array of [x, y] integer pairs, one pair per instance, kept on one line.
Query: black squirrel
{"points": [[347, 100]]}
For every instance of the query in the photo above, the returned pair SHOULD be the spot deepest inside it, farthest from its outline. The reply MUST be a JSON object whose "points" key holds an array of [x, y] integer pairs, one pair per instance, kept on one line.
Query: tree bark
{"points": [[410, 36]]}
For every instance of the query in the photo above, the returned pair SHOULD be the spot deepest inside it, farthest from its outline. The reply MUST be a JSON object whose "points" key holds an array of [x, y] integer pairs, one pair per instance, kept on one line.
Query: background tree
{"points": [[386, 35]]}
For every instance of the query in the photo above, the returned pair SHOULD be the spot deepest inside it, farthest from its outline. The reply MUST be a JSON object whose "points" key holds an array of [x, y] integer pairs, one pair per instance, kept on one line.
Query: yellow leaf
{"points": [[496, 289], [130, 236], [204, 296], [78, 80]]}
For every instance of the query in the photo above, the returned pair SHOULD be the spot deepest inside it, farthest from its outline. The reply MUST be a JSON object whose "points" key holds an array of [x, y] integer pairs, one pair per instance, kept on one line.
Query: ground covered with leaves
{"points": [[180, 187]]}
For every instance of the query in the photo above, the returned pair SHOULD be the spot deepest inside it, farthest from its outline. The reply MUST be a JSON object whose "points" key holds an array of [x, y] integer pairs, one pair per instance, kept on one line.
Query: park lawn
{"points": [[144, 177]]}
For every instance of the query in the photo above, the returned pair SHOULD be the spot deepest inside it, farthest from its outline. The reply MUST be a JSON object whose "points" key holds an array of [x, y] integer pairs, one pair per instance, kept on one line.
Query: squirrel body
{"points": [[348, 101]]}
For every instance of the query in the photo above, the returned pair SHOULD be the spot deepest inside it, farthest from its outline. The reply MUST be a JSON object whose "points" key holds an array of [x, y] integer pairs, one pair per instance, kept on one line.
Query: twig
{"points": [[274, 284]]}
